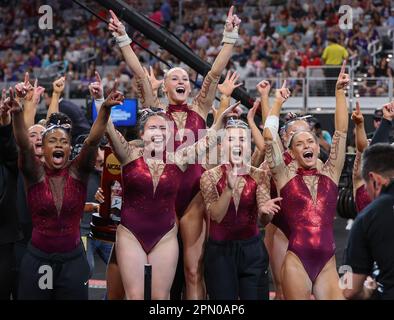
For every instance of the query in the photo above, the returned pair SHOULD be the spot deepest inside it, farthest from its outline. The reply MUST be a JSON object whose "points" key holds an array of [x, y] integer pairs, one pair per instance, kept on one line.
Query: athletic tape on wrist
{"points": [[272, 123], [123, 40], [230, 37]]}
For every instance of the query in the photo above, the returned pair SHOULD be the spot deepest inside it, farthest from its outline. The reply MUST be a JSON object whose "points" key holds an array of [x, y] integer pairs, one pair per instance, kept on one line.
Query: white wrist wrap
{"points": [[230, 37], [272, 123], [123, 41]]}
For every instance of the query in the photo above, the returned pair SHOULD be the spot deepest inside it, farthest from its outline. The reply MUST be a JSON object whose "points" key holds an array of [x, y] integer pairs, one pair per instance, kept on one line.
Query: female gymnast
{"points": [[309, 190], [55, 247]]}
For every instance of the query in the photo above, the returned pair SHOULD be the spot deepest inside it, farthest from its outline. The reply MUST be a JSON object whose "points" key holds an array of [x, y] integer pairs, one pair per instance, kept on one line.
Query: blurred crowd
{"points": [[276, 38]]}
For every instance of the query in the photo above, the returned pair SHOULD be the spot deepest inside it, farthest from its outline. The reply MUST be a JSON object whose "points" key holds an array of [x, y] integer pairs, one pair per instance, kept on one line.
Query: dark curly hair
{"points": [[58, 120]]}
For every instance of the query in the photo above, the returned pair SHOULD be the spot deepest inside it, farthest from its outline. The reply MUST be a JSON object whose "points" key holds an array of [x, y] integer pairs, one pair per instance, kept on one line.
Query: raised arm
{"points": [[8, 150], [217, 206], [334, 165], [361, 136], [31, 103], [58, 88], [146, 95], [256, 134], [383, 132], [188, 155], [264, 88], [119, 145], [29, 164], [207, 93], [341, 108]]}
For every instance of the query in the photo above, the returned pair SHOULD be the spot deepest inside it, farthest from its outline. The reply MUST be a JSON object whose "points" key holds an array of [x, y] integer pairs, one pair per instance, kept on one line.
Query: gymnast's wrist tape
{"points": [[98, 103], [123, 40], [272, 123], [230, 37]]}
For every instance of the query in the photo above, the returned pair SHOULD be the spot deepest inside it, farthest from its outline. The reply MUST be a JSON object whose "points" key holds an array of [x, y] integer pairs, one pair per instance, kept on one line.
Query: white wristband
{"points": [[230, 37], [123, 40]]}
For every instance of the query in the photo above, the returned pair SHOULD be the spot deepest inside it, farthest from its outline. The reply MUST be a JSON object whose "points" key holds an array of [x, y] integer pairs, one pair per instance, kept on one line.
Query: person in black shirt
{"points": [[9, 231], [372, 238]]}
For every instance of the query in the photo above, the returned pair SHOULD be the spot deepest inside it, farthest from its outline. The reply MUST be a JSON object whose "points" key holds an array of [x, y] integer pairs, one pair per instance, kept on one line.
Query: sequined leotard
{"points": [[240, 221], [311, 235], [149, 214], [310, 216], [56, 202], [362, 198], [191, 177]]}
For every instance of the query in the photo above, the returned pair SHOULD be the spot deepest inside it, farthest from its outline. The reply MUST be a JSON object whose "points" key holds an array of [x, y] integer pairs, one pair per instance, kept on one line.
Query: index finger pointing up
{"points": [[284, 84], [343, 68], [98, 78], [230, 12], [357, 106], [26, 77], [113, 15]]}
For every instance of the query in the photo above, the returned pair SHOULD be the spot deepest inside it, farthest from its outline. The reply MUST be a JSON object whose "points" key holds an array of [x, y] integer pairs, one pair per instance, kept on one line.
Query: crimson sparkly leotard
{"points": [[362, 198], [310, 224], [191, 177], [238, 224], [147, 214], [53, 230]]}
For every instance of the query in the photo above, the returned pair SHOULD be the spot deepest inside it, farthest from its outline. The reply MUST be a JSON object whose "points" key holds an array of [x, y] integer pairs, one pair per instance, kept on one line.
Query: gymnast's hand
{"points": [[11, 104], [96, 88], [155, 83], [219, 123], [264, 88], [58, 85], [23, 88], [115, 26], [232, 178], [343, 78], [252, 112], [229, 84], [357, 116], [115, 97], [283, 93], [270, 207], [232, 21]]}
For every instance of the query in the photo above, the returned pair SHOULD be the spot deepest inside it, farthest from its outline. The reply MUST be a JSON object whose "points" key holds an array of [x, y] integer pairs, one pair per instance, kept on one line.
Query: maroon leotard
{"points": [[148, 215], [311, 235], [53, 231], [362, 198], [191, 177], [238, 224]]}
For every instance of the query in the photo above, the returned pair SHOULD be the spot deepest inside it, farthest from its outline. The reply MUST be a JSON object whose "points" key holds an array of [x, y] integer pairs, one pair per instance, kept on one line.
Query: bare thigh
{"points": [[276, 243], [296, 284], [326, 286], [131, 259], [164, 259]]}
